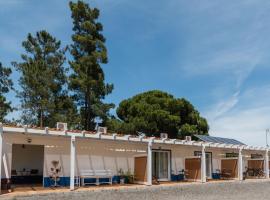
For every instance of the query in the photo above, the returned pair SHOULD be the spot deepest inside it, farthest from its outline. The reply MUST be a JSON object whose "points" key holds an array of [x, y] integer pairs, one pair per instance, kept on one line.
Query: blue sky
{"points": [[214, 53]]}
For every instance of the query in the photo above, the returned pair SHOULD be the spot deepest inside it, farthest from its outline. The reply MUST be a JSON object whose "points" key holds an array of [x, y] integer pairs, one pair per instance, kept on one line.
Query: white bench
{"points": [[96, 174]]}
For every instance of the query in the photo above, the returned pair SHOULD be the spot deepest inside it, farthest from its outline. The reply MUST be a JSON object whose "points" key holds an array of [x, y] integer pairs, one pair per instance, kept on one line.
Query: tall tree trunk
{"points": [[85, 111], [88, 113], [41, 119]]}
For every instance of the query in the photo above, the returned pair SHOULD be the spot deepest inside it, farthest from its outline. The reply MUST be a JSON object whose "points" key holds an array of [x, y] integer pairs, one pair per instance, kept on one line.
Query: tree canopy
{"points": [[155, 112], [87, 81], [44, 99], [5, 86]]}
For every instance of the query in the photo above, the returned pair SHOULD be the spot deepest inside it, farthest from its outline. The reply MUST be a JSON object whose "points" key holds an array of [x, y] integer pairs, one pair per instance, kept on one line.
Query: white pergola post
{"points": [[149, 163], [203, 165], [1, 149], [266, 164], [240, 165], [72, 161]]}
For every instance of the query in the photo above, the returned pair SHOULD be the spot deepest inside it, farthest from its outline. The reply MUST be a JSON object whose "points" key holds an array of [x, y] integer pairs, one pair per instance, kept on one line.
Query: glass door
{"points": [[161, 165], [208, 159]]}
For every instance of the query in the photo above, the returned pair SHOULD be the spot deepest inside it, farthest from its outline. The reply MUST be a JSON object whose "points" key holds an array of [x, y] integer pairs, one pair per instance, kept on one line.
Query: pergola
{"points": [[149, 141]]}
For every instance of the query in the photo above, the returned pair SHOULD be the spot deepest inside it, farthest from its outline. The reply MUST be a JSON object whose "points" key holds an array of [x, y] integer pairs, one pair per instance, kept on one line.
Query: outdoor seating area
{"points": [[226, 174], [229, 168], [255, 172], [255, 169], [27, 164], [31, 176]]}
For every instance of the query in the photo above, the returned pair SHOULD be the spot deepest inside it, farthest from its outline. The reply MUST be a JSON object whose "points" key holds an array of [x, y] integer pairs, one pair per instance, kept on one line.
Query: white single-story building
{"points": [[62, 157]]}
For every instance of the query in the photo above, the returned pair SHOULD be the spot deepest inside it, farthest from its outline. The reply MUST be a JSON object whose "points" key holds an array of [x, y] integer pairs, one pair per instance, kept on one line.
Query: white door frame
{"points": [[169, 163], [211, 162]]}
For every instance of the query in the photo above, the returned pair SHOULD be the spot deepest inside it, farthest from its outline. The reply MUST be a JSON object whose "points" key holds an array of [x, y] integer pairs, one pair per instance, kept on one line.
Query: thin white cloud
{"points": [[247, 120], [232, 39], [232, 44], [247, 125], [238, 63], [222, 107]]}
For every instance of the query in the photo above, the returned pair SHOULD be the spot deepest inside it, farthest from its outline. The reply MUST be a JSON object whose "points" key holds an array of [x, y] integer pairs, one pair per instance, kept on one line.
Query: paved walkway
{"points": [[226, 190]]}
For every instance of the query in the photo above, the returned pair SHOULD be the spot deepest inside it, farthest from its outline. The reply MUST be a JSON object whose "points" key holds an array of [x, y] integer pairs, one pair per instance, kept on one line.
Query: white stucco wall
{"points": [[90, 153], [110, 155]]}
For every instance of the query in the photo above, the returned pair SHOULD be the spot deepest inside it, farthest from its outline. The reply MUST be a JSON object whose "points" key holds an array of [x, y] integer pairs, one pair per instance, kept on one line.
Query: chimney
{"points": [[188, 138], [164, 135]]}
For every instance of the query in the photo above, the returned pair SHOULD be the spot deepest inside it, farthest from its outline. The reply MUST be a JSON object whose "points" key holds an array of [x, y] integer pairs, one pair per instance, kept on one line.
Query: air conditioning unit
{"points": [[141, 134], [61, 126], [188, 138], [102, 130], [164, 135]]}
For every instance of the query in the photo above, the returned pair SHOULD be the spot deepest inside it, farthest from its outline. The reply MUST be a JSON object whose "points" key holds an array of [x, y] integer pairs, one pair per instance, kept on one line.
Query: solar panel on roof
{"points": [[218, 140]]}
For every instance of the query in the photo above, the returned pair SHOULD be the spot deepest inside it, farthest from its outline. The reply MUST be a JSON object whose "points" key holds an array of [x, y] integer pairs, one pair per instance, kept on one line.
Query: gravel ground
{"points": [[247, 190]]}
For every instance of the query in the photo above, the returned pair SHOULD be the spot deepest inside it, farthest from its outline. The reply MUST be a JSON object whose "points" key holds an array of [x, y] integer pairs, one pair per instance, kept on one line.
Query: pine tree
{"points": [[88, 50], [5, 86], [154, 112], [42, 79]]}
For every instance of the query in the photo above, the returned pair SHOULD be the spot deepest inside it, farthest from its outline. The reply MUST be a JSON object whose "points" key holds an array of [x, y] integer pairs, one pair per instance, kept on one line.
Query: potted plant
{"points": [[121, 175], [126, 177], [129, 177]]}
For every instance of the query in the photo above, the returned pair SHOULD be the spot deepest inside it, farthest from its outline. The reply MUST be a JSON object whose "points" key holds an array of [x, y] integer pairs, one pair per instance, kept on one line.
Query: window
{"points": [[231, 155], [254, 156]]}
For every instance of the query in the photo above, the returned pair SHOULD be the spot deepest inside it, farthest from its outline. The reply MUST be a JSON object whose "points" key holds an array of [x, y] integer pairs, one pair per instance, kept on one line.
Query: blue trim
{"points": [[48, 182], [65, 181]]}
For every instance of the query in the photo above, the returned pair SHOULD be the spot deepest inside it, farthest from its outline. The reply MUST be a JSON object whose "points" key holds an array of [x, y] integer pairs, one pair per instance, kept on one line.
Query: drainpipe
{"points": [[203, 165], [1, 146], [240, 165], [72, 161], [266, 164], [149, 163]]}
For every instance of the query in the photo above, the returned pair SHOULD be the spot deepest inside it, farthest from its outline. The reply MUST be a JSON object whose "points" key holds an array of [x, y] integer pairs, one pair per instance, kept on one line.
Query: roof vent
{"points": [[61, 126], [102, 130], [188, 138], [164, 135]]}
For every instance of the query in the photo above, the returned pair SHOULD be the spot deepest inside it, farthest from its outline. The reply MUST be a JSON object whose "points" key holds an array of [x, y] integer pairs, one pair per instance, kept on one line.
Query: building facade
{"points": [[49, 157]]}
